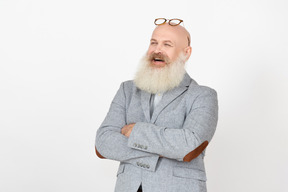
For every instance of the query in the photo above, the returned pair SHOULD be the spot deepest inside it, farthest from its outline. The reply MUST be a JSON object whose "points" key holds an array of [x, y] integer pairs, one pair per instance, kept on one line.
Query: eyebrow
{"points": [[166, 41]]}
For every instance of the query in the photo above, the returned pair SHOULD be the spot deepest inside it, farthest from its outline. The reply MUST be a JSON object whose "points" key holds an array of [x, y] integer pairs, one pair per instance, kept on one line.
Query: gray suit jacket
{"points": [[165, 150]]}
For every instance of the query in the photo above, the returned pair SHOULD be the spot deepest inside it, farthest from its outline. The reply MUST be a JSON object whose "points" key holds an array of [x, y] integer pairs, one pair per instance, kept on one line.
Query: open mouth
{"points": [[158, 60]]}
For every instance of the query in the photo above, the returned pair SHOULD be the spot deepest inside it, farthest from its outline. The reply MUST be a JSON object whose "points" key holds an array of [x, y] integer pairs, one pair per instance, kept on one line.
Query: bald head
{"points": [[170, 41], [179, 31]]}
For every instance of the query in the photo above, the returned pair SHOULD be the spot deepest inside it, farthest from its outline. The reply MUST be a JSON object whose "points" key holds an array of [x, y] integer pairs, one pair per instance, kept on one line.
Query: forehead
{"points": [[165, 34], [176, 34]]}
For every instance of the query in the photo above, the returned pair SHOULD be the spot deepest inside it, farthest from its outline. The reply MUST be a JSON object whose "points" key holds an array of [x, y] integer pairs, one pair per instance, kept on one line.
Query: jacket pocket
{"points": [[189, 173], [120, 169]]}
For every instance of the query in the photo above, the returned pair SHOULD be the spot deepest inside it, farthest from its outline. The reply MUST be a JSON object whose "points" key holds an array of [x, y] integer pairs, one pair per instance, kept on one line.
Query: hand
{"points": [[127, 129]]}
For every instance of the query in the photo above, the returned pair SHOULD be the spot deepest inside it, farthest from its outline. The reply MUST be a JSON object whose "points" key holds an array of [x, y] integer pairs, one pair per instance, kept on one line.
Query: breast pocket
{"points": [[173, 118]]}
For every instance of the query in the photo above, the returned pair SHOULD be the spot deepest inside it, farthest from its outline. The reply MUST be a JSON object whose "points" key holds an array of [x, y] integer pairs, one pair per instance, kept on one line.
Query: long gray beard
{"points": [[159, 80]]}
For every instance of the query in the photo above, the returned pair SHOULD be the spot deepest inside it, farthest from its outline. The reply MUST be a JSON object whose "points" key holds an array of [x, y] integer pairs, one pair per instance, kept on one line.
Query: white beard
{"points": [[159, 80]]}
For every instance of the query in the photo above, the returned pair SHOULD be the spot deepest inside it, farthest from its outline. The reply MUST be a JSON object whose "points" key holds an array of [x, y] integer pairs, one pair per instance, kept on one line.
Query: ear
{"points": [[187, 52]]}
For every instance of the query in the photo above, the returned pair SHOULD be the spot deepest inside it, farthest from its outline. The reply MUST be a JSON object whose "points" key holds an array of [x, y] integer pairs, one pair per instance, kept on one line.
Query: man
{"points": [[159, 125]]}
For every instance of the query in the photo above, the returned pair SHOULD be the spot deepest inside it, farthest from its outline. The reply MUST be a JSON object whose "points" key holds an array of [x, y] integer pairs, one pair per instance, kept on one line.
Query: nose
{"points": [[158, 49]]}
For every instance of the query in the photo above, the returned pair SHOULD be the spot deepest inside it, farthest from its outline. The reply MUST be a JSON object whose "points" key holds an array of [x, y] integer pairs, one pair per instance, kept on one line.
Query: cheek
{"points": [[171, 55], [174, 55], [150, 50]]}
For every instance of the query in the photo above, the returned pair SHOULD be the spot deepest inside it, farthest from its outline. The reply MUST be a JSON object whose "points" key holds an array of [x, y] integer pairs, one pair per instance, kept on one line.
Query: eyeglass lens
{"points": [[172, 22], [160, 21]]}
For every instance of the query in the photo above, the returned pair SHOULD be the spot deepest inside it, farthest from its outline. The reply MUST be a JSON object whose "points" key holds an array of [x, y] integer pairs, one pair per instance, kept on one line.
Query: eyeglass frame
{"points": [[169, 20]]}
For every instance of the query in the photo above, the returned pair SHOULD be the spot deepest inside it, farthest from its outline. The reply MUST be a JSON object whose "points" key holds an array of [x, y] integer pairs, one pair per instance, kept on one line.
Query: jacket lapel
{"points": [[145, 103], [169, 96]]}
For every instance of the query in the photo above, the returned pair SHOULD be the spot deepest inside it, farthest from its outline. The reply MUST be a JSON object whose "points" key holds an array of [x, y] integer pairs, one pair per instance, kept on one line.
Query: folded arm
{"points": [[112, 144], [182, 144]]}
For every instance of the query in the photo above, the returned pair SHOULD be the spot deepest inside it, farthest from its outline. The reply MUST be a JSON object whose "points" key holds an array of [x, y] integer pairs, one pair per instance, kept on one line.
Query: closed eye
{"points": [[168, 43], [153, 43]]}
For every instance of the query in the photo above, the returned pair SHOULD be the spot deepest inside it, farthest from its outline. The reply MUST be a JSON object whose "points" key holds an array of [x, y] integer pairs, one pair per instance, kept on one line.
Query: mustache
{"points": [[158, 56]]}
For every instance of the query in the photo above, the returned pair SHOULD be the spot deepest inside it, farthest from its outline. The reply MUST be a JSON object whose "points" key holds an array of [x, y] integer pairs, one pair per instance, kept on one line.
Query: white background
{"points": [[61, 62]]}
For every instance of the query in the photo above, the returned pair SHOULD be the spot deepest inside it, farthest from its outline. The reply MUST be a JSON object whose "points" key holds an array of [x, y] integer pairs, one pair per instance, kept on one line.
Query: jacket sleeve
{"points": [[111, 144], [182, 144]]}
